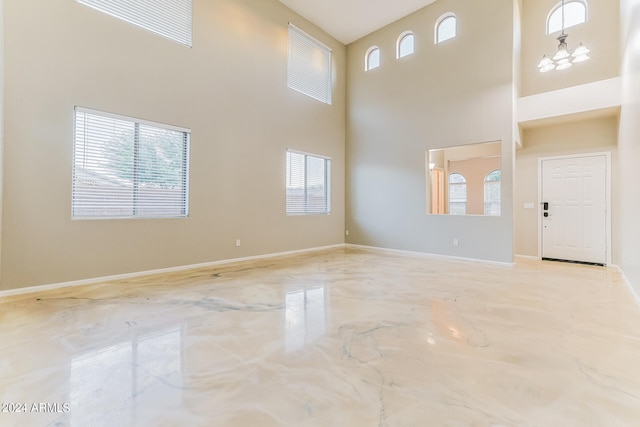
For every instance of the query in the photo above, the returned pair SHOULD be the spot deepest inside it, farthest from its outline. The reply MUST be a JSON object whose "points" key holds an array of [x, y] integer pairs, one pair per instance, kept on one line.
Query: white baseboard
{"points": [[527, 257], [41, 288], [430, 255]]}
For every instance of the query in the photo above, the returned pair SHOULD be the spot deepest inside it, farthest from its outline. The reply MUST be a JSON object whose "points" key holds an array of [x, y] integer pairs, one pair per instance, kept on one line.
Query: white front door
{"points": [[574, 209]]}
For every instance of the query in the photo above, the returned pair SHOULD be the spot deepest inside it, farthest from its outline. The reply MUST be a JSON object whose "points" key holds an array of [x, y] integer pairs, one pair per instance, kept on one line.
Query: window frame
{"points": [[185, 160], [367, 58], [558, 7], [490, 202], [466, 198], [440, 21], [401, 38], [327, 184], [149, 19]]}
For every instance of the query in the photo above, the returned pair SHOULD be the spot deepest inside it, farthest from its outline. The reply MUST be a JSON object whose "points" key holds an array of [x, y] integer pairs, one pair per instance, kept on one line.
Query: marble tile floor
{"points": [[343, 337]]}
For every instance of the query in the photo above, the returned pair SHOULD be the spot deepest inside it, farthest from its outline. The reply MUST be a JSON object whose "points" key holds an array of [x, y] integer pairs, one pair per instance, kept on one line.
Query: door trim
{"points": [[607, 186]]}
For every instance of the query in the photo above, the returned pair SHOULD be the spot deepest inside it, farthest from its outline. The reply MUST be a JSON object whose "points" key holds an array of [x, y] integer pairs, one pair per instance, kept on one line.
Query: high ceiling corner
{"points": [[349, 20]]}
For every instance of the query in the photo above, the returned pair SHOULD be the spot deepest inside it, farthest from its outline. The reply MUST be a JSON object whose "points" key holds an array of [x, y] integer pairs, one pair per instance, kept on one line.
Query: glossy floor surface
{"points": [[344, 337]]}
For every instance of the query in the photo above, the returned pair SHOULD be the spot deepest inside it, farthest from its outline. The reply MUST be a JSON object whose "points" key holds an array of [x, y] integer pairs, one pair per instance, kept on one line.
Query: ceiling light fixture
{"points": [[563, 59]]}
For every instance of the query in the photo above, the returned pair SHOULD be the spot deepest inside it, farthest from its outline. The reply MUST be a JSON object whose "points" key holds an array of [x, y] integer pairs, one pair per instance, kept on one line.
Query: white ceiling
{"points": [[349, 20]]}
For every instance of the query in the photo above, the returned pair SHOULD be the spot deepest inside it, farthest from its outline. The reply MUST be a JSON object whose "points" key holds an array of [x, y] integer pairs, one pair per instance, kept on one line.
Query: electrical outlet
{"points": [[237, 242], [455, 242], [346, 233]]}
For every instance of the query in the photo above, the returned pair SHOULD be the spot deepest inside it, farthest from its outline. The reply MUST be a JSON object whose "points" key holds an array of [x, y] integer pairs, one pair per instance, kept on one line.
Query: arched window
{"points": [[492, 184], [575, 12], [457, 194], [372, 58], [446, 27], [405, 45]]}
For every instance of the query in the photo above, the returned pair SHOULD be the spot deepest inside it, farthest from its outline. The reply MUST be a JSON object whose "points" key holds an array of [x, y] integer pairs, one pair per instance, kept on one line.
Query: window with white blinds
{"points": [[308, 183], [172, 19], [309, 66], [124, 168]]}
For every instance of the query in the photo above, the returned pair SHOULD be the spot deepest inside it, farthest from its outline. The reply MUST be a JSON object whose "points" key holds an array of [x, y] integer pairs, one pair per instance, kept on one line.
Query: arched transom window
{"points": [[372, 58], [446, 27], [575, 12], [406, 44]]}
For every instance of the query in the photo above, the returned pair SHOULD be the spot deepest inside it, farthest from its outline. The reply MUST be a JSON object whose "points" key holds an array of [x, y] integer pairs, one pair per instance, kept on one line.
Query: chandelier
{"points": [[563, 59]]}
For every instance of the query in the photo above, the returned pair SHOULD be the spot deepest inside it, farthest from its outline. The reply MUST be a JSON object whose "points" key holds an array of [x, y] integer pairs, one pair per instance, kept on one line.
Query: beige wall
{"points": [[594, 135], [464, 152], [229, 89], [459, 92], [1, 119], [600, 34], [629, 143]]}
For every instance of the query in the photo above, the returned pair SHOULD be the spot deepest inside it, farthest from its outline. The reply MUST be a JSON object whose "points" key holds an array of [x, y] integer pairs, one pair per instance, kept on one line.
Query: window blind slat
{"points": [[169, 18], [309, 66], [307, 187], [122, 168]]}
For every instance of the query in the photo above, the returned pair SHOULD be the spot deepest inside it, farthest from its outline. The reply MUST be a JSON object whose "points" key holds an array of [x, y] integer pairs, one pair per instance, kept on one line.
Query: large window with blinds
{"points": [[171, 19], [309, 66], [128, 168], [308, 183]]}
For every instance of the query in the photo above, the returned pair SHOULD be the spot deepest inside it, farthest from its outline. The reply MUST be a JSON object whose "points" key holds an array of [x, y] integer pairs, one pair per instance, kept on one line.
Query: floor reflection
{"points": [[346, 337], [305, 317], [117, 379]]}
